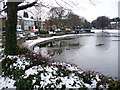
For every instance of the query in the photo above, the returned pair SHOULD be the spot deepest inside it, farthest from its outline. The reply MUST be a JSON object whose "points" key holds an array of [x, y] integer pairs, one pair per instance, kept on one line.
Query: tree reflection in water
{"points": [[56, 47]]}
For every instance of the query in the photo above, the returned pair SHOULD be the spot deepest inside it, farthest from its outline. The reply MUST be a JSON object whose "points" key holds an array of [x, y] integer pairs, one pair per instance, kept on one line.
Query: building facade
{"points": [[23, 24], [2, 24], [28, 24]]}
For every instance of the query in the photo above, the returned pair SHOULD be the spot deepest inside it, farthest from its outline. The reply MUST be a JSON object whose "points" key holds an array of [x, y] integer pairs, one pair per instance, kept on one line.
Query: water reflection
{"points": [[55, 48], [119, 60], [89, 52], [103, 41]]}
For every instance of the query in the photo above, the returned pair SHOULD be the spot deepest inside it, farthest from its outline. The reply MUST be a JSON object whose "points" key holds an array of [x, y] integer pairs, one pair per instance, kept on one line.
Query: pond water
{"points": [[98, 52]]}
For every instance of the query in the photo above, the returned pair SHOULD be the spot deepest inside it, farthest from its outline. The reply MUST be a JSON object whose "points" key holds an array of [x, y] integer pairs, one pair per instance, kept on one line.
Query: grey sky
{"points": [[89, 11], [86, 9], [104, 7]]}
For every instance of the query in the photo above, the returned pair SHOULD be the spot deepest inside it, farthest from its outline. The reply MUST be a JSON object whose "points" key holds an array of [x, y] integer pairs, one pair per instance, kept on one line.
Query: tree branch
{"points": [[27, 5], [18, 3], [58, 3], [92, 2], [5, 7]]}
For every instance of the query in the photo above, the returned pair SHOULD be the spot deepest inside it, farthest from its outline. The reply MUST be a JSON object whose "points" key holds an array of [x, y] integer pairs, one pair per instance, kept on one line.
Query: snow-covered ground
{"points": [[6, 82], [30, 43], [56, 75], [106, 30], [50, 75]]}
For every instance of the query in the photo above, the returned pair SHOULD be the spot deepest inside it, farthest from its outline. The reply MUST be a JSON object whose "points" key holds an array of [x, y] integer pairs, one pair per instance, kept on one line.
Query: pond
{"points": [[98, 52]]}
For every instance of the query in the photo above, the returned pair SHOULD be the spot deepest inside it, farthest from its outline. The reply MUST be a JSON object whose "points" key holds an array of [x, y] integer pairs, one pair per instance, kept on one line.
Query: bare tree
{"points": [[103, 22], [38, 13], [73, 20], [58, 13]]}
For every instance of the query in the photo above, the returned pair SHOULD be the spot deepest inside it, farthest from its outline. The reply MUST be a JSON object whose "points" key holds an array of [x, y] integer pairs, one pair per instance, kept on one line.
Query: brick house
{"points": [[2, 23]]}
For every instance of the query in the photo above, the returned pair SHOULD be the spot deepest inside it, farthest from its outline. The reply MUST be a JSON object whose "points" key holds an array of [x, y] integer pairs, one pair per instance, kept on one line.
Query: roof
{"points": [[112, 22], [1, 16], [28, 19]]}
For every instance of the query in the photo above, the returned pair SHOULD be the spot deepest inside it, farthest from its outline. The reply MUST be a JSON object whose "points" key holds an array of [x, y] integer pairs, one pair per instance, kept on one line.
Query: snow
{"points": [[6, 83], [20, 35], [106, 30], [1, 16], [68, 66], [51, 32], [31, 71], [49, 74], [48, 78], [0, 44], [28, 19], [32, 34], [30, 43]]}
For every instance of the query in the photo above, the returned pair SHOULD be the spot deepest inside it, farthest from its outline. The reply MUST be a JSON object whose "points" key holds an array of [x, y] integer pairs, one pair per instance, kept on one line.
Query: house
{"points": [[28, 24], [2, 22], [114, 25], [19, 24]]}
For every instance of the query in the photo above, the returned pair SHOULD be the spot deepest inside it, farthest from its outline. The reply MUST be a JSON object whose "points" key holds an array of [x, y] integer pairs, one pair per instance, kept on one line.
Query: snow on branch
{"points": [[27, 5]]}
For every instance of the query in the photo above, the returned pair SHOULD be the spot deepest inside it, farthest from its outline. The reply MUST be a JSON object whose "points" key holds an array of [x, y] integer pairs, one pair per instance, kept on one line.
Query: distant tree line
{"points": [[62, 17], [102, 22]]}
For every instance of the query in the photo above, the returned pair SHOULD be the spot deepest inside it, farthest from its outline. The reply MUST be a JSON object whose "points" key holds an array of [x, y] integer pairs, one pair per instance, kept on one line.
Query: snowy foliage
{"points": [[29, 70], [24, 72]]}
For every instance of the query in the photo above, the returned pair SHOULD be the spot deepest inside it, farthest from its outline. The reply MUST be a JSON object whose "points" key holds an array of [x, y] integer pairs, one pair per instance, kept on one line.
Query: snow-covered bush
{"points": [[32, 71]]}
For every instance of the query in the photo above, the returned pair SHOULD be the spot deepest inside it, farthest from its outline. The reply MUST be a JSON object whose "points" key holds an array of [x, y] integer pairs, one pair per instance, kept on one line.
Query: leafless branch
{"points": [[92, 2], [42, 5], [76, 5], [58, 3], [67, 3], [27, 5]]}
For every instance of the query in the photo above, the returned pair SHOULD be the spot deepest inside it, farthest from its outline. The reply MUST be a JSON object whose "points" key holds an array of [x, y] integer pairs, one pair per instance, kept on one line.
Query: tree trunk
{"points": [[10, 36], [39, 26]]}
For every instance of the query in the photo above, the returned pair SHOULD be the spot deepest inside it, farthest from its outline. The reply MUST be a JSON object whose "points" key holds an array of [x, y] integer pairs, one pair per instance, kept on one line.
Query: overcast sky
{"points": [[86, 9], [103, 8]]}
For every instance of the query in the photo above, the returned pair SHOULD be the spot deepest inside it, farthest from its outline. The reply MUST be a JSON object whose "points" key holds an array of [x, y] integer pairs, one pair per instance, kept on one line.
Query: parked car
{"points": [[19, 30]]}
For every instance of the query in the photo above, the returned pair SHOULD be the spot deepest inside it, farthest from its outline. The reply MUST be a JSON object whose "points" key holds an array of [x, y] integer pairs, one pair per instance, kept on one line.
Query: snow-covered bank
{"points": [[106, 30], [26, 73], [31, 71], [30, 43], [54, 75]]}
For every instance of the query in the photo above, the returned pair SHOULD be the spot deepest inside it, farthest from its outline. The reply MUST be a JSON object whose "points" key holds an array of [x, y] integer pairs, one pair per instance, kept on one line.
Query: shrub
{"points": [[42, 32], [64, 31]]}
